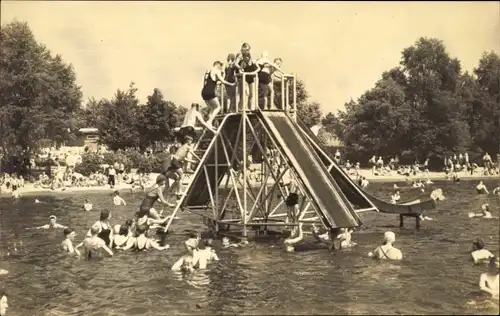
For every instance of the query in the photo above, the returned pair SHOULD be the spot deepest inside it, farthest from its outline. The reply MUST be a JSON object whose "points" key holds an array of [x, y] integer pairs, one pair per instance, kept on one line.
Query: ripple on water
{"points": [[435, 276]]}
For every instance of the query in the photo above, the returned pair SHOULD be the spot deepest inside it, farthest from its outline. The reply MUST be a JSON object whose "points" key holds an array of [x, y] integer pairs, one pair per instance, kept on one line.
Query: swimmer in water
{"points": [[226, 243], [4, 305], [481, 188], [144, 242], [345, 238], [117, 199], [15, 193], [387, 251], [52, 224], [292, 241], [192, 243], [488, 281], [206, 254], [485, 212], [496, 190], [67, 244], [105, 232], [185, 263], [93, 243], [479, 253], [87, 206], [395, 197], [122, 236]]}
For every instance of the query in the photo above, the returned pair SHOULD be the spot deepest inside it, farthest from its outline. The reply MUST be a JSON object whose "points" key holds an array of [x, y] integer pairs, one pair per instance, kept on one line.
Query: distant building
{"points": [[87, 137]]}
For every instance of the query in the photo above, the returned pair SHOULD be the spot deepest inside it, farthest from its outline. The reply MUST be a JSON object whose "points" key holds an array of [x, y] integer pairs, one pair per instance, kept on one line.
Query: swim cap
{"points": [[53, 217], [161, 178], [389, 236]]}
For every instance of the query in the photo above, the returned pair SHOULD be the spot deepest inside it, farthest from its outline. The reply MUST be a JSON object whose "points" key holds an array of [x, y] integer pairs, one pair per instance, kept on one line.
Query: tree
{"points": [[309, 112], [438, 124], [377, 123], [415, 110], [38, 92], [484, 105], [159, 117], [119, 128]]}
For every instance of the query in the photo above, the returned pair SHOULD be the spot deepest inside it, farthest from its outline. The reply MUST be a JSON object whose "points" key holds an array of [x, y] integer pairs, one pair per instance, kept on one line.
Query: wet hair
{"points": [[104, 215], [493, 264], [217, 63], [68, 231], [14, 187], [246, 46], [231, 57], [129, 222], [161, 178], [124, 229], [94, 230], [116, 193], [478, 244]]}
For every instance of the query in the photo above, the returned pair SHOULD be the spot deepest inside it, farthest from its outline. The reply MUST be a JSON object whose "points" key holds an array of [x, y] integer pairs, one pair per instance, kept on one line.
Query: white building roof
{"points": [[88, 130]]}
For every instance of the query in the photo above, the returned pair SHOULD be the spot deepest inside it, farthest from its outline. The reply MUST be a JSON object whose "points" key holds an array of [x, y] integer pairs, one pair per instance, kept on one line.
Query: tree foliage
{"points": [[119, 127], [158, 119], [38, 92], [425, 107]]}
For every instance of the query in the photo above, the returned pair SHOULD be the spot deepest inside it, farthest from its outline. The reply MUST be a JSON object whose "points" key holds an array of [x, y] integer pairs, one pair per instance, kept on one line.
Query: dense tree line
{"points": [[425, 107]]}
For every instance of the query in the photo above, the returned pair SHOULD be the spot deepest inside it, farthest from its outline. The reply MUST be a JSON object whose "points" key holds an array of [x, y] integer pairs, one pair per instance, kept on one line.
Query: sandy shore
{"points": [[31, 190]]}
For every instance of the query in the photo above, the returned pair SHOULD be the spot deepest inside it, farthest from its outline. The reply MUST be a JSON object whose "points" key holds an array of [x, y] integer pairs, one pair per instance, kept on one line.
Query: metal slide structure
{"points": [[327, 196], [353, 192]]}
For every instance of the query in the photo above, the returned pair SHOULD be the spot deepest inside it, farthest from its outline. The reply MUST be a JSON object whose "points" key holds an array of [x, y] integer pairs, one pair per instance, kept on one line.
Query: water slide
{"points": [[326, 196], [353, 192]]}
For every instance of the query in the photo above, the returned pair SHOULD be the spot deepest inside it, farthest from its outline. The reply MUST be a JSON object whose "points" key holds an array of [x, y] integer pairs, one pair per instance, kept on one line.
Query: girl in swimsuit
{"points": [[105, 232], [122, 236], [153, 194], [250, 68]]}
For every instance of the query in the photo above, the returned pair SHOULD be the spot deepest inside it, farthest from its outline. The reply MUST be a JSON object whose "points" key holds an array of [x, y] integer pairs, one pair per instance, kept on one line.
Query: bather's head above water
{"points": [[494, 265], [389, 237]]}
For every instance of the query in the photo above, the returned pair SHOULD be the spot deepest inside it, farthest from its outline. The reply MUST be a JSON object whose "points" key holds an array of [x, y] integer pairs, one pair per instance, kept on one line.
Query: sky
{"points": [[339, 49]]}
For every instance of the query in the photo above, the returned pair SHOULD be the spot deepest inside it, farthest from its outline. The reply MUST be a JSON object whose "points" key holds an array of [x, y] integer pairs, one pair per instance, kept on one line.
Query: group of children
{"points": [[262, 68]]}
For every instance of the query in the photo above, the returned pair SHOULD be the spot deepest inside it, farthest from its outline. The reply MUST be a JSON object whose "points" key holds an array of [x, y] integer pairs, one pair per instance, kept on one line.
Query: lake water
{"points": [[436, 276]]}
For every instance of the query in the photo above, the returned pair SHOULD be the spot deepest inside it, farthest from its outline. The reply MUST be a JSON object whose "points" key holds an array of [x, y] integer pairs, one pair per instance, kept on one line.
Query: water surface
{"points": [[436, 276]]}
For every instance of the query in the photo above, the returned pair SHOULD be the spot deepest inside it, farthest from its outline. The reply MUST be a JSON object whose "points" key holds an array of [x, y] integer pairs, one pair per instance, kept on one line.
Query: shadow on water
{"points": [[436, 276]]}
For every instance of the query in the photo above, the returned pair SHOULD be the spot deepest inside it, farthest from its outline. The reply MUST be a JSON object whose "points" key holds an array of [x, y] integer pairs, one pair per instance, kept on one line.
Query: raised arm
{"points": [[178, 264]]}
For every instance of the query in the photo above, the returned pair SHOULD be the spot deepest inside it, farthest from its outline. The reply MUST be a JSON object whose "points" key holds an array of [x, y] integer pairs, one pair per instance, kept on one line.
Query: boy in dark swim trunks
{"points": [[292, 200], [175, 171], [230, 76]]}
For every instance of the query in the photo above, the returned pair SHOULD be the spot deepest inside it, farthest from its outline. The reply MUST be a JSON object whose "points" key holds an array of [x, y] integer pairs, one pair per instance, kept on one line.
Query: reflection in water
{"points": [[257, 279]]}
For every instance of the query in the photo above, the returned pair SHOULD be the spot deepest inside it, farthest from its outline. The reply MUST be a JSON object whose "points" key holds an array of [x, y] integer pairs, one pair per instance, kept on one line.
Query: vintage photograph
{"points": [[249, 158]]}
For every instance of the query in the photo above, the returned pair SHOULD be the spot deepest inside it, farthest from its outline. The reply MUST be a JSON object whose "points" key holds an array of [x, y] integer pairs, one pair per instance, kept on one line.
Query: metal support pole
{"points": [[283, 105], [244, 171], [295, 97]]}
